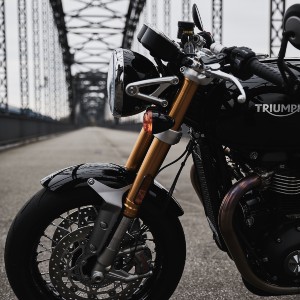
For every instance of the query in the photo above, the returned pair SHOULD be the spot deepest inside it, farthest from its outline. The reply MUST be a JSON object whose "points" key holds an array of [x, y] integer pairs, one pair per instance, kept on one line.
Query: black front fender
{"points": [[114, 176]]}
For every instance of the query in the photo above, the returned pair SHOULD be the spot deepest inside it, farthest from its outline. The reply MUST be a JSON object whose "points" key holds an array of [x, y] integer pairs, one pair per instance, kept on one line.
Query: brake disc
{"points": [[80, 218], [68, 274]]}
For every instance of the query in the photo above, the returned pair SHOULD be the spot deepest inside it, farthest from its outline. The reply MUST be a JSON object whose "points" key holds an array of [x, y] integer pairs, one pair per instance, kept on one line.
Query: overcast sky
{"points": [[245, 22]]}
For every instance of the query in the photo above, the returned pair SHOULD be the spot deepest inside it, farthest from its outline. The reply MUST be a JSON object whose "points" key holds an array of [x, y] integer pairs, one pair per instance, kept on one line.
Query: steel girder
{"points": [[186, 10], [59, 18], [23, 54], [90, 95], [3, 63], [277, 10], [217, 20], [95, 28], [132, 18]]}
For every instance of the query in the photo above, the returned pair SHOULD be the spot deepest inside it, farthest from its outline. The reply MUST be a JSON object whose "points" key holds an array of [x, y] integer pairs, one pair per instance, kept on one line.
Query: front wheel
{"points": [[47, 240]]}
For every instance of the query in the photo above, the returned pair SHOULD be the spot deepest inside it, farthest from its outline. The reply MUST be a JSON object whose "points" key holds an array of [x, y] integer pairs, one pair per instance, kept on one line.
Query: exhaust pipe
{"points": [[226, 213]]}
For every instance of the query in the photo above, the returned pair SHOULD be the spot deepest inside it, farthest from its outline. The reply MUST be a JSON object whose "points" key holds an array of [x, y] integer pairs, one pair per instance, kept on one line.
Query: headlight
{"points": [[126, 67]]}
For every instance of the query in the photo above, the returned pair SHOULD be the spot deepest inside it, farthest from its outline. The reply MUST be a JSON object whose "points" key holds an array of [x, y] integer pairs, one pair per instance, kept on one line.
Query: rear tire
{"points": [[31, 222]]}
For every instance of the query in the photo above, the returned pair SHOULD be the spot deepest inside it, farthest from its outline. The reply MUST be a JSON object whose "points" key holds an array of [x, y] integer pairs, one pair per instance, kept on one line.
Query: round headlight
{"points": [[126, 67]]}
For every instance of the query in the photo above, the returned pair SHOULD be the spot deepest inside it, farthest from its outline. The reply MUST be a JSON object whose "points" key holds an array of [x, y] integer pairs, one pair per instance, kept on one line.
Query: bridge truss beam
{"points": [[132, 18], [3, 62], [277, 10], [23, 54], [217, 20]]}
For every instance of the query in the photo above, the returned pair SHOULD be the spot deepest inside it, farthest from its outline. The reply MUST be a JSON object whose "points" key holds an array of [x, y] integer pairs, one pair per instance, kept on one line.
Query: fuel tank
{"points": [[268, 123]]}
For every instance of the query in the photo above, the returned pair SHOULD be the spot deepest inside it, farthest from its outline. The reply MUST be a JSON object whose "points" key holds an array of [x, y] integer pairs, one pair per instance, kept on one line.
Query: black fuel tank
{"points": [[269, 120]]}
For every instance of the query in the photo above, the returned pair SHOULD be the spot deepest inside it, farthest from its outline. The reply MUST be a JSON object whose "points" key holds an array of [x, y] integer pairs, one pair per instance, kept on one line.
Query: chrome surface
{"points": [[170, 136], [65, 270], [293, 262], [107, 257], [110, 195], [222, 75], [133, 89], [115, 78]]}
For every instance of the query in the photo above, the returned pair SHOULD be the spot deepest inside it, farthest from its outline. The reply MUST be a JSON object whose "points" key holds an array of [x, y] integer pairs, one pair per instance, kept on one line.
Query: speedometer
{"points": [[159, 45]]}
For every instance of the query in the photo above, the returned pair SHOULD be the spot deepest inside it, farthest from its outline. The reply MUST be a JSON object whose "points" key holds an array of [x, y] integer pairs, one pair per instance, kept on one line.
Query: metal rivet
{"points": [[265, 259], [253, 155], [91, 181], [103, 225]]}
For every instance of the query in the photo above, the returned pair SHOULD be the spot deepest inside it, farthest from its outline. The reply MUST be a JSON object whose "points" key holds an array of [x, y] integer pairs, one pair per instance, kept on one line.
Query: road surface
{"points": [[209, 274]]}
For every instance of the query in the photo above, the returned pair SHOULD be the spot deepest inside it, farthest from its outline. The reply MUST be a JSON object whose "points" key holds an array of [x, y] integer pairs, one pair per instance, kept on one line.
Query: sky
{"points": [[245, 23]]}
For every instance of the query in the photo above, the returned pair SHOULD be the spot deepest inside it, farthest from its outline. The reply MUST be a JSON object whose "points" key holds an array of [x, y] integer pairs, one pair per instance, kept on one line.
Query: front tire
{"points": [[30, 244]]}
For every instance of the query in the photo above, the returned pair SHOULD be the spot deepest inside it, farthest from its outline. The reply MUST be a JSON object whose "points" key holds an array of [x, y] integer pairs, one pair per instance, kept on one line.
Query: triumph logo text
{"points": [[278, 110]]}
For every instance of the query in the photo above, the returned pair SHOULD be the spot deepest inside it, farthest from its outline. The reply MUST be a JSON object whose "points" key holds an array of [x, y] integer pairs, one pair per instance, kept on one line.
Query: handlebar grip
{"points": [[265, 72]]}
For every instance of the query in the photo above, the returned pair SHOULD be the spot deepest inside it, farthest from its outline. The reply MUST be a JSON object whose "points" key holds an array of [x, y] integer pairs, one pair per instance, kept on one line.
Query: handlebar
{"points": [[265, 72], [244, 64]]}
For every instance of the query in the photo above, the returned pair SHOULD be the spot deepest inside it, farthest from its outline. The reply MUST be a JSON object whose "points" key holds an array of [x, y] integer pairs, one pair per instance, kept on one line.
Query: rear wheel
{"points": [[46, 242]]}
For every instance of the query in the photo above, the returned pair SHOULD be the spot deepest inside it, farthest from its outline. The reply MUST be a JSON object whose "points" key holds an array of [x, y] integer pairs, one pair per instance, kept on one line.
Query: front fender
{"points": [[112, 176]]}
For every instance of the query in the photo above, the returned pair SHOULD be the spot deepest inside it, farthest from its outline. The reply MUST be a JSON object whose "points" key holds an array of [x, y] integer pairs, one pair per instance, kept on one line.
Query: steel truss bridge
{"points": [[70, 43]]}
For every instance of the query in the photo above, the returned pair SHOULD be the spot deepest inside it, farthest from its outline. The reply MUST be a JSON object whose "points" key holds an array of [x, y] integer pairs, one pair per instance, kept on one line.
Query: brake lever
{"points": [[216, 73]]}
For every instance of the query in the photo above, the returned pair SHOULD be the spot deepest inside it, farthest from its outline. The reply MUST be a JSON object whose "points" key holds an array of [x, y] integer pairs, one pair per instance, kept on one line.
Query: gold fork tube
{"points": [[158, 149], [139, 151]]}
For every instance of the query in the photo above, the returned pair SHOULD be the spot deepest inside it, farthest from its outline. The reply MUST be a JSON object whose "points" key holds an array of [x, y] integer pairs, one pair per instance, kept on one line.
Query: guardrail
{"points": [[19, 128]]}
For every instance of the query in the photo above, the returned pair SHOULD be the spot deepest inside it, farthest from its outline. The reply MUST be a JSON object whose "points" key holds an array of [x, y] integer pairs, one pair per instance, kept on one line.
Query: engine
{"points": [[271, 229]]}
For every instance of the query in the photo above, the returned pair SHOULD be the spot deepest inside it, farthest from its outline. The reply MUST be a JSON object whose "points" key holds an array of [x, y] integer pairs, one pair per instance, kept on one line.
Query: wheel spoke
{"points": [[67, 233]]}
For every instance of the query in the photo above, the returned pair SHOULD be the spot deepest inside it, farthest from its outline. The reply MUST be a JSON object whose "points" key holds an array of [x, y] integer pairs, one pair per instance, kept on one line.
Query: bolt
{"points": [[265, 259], [164, 103], [175, 81], [92, 247], [74, 289], [250, 221], [278, 240], [253, 155], [91, 181], [103, 225], [132, 90]]}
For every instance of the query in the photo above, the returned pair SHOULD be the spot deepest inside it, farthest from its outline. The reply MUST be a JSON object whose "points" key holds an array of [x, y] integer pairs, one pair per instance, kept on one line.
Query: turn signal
{"points": [[147, 121], [156, 122]]}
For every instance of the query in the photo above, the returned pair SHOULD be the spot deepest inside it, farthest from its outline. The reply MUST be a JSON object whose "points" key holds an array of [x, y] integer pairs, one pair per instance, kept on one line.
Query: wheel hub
{"points": [[70, 272], [293, 262]]}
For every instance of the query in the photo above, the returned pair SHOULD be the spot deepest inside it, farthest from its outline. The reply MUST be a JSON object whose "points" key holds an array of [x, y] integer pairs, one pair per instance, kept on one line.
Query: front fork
{"points": [[147, 162]]}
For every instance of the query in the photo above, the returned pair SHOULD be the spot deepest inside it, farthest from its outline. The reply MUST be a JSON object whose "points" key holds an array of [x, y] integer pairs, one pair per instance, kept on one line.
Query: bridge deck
{"points": [[209, 274]]}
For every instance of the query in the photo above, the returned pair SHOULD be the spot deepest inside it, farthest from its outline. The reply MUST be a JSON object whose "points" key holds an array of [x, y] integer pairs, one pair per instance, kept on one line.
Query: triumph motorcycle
{"points": [[106, 231]]}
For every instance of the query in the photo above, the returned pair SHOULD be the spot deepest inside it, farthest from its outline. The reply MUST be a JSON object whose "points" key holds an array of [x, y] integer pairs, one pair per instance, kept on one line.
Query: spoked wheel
{"points": [[45, 252]]}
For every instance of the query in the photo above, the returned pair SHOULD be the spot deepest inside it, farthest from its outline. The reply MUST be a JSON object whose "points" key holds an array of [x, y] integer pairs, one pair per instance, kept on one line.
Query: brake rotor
{"points": [[84, 217], [71, 280]]}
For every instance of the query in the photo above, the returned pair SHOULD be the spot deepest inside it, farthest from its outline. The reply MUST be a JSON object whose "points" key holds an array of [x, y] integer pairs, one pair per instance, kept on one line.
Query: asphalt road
{"points": [[209, 274]]}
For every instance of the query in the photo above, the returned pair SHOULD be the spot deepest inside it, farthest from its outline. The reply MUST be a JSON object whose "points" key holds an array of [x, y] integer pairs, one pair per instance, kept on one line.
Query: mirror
{"points": [[197, 18], [291, 23]]}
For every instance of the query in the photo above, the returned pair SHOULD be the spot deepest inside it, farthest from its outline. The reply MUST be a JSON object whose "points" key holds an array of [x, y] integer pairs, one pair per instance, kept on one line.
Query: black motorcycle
{"points": [[105, 231]]}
